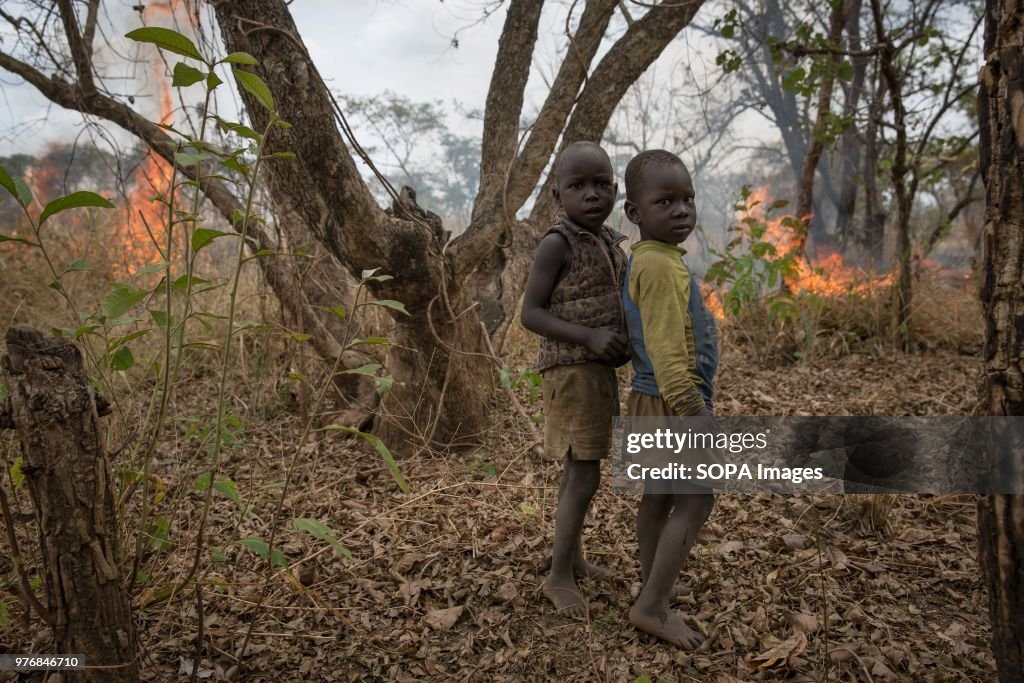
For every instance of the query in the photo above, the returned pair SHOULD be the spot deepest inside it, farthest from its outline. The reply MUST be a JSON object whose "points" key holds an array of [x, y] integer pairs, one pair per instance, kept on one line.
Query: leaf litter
{"points": [[443, 581]]}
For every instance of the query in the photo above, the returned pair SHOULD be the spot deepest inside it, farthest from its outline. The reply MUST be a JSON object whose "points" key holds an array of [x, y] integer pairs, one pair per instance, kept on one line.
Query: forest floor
{"points": [[443, 581]]}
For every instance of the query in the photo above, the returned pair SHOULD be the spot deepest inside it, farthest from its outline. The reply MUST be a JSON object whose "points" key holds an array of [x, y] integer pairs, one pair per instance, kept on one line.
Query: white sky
{"points": [[361, 47]]}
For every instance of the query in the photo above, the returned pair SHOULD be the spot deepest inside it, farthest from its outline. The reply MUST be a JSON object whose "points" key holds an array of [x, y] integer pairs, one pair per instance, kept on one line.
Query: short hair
{"points": [[578, 145], [638, 166]]}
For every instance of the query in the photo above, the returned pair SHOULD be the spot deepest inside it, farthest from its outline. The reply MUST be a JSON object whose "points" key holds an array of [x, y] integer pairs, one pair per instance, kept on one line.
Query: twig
{"points": [[27, 596]]}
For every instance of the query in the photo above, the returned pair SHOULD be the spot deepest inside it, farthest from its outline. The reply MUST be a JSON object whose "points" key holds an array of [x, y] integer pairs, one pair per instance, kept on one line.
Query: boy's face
{"points": [[586, 189], [664, 209]]}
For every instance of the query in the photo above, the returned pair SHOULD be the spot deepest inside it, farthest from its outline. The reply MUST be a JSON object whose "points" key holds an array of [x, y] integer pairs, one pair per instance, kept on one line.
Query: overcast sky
{"points": [[361, 47]]}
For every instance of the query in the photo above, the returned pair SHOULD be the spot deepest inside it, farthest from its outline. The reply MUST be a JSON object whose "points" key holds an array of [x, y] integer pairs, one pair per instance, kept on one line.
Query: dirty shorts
{"points": [[580, 401], [639, 404]]}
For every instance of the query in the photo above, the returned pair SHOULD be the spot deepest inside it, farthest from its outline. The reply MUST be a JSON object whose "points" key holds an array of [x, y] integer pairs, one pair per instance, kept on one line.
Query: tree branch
{"points": [[520, 177], [505, 97], [625, 62], [80, 51]]}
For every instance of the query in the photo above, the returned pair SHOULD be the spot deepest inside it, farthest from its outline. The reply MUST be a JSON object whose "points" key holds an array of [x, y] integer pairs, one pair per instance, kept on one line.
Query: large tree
{"points": [[1001, 114], [461, 293]]}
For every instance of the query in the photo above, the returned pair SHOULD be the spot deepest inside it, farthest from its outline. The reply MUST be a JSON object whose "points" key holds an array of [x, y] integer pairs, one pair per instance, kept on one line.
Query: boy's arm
{"points": [[544, 274], [662, 294]]}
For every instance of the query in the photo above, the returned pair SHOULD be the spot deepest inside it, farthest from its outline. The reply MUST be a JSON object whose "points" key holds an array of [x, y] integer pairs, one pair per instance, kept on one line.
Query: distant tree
{"points": [[410, 136]]}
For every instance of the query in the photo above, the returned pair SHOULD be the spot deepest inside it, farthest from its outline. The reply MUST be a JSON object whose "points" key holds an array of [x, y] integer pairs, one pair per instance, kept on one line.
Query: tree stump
{"points": [[54, 412]]}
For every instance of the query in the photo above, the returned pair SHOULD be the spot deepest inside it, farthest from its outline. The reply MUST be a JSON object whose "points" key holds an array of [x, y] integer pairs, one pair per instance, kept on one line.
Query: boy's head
{"points": [[659, 196], [585, 185]]}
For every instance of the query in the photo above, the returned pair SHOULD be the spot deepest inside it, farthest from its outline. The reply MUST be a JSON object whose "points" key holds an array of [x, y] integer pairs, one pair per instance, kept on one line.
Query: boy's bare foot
{"points": [[666, 625], [565, 597], [581, 567]]}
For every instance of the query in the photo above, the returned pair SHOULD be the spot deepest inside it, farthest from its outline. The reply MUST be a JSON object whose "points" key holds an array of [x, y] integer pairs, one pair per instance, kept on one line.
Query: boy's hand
{"points": [[606, 344]]}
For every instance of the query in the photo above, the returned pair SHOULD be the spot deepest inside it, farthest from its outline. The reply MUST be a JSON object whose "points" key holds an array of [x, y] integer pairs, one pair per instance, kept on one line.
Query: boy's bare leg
{"points": [[580, 566], [651, 612], [579, 484], [651, 516]]}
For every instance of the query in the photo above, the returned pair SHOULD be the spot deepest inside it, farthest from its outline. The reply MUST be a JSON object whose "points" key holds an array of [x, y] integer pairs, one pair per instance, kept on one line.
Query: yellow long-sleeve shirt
{"points": [[659, 285]]}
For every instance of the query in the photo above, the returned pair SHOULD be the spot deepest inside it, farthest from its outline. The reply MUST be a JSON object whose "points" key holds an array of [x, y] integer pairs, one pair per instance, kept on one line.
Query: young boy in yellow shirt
{"points": [[675, 355]]}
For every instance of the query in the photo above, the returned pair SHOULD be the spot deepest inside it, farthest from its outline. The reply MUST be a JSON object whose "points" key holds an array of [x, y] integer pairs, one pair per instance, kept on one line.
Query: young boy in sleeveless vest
{"points": [[675, 355], [573, 301]]}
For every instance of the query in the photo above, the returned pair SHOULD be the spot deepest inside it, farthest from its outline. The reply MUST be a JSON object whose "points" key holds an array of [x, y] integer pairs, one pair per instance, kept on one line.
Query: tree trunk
{"points": [[55, 414], [322, 188], [903, 292], [805, 201], [850, 143], [1001, 118], [873, 233]]}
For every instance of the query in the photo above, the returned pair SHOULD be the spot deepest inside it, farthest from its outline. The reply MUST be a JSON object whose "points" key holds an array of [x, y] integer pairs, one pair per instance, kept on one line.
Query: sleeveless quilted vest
{"points": [[589, 292]]}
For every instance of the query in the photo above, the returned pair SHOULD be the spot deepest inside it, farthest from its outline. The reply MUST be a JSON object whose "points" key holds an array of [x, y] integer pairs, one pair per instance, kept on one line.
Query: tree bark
{"points": [[1001, 118], [873, 232], [55, 415], [903, 291], [805, 200], [442, 379], [850, 143]]}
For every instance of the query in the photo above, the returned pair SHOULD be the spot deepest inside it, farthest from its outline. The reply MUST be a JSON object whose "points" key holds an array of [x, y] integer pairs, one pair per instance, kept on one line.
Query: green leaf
{"points": [[229, 489], [76, 265], [212, 81], [241, 129], [185, 75], [122, 359], [17, 476], [382, 384], [338, 311], [260, 548], [159, 532], [24, 193], [203, 236], [202, 481], [5, 238], [190, 159], [390, 303], [8, 184], [381, 448], [281, 155], [255, 86], [74, 200], [153, 268], [369, 340], [241, 58], [370, 370], [17, 187], [316, 529], [3, 391], [846, 70], [120, 299], [166, 39]]}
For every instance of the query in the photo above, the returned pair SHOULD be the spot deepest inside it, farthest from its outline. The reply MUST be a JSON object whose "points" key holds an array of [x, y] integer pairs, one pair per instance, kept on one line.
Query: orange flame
{"points": [[145, 220], [828, 274]]}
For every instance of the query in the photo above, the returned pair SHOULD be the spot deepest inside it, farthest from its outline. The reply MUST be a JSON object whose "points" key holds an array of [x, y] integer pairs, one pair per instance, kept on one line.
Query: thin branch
{"points": [[80, 52]]}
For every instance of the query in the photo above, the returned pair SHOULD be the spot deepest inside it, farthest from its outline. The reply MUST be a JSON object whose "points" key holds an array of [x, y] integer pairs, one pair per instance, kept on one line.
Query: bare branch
{"points": [[81, 53], [505, 96]]}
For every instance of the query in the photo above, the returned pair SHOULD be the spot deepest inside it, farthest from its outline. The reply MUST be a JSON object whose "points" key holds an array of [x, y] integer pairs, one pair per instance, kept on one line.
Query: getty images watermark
{"points": [[983, 455]]}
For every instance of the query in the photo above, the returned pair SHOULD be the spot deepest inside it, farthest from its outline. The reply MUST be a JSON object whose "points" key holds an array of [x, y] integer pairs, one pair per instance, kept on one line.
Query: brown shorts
{"points": [[580, 401], [640, 404]]}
